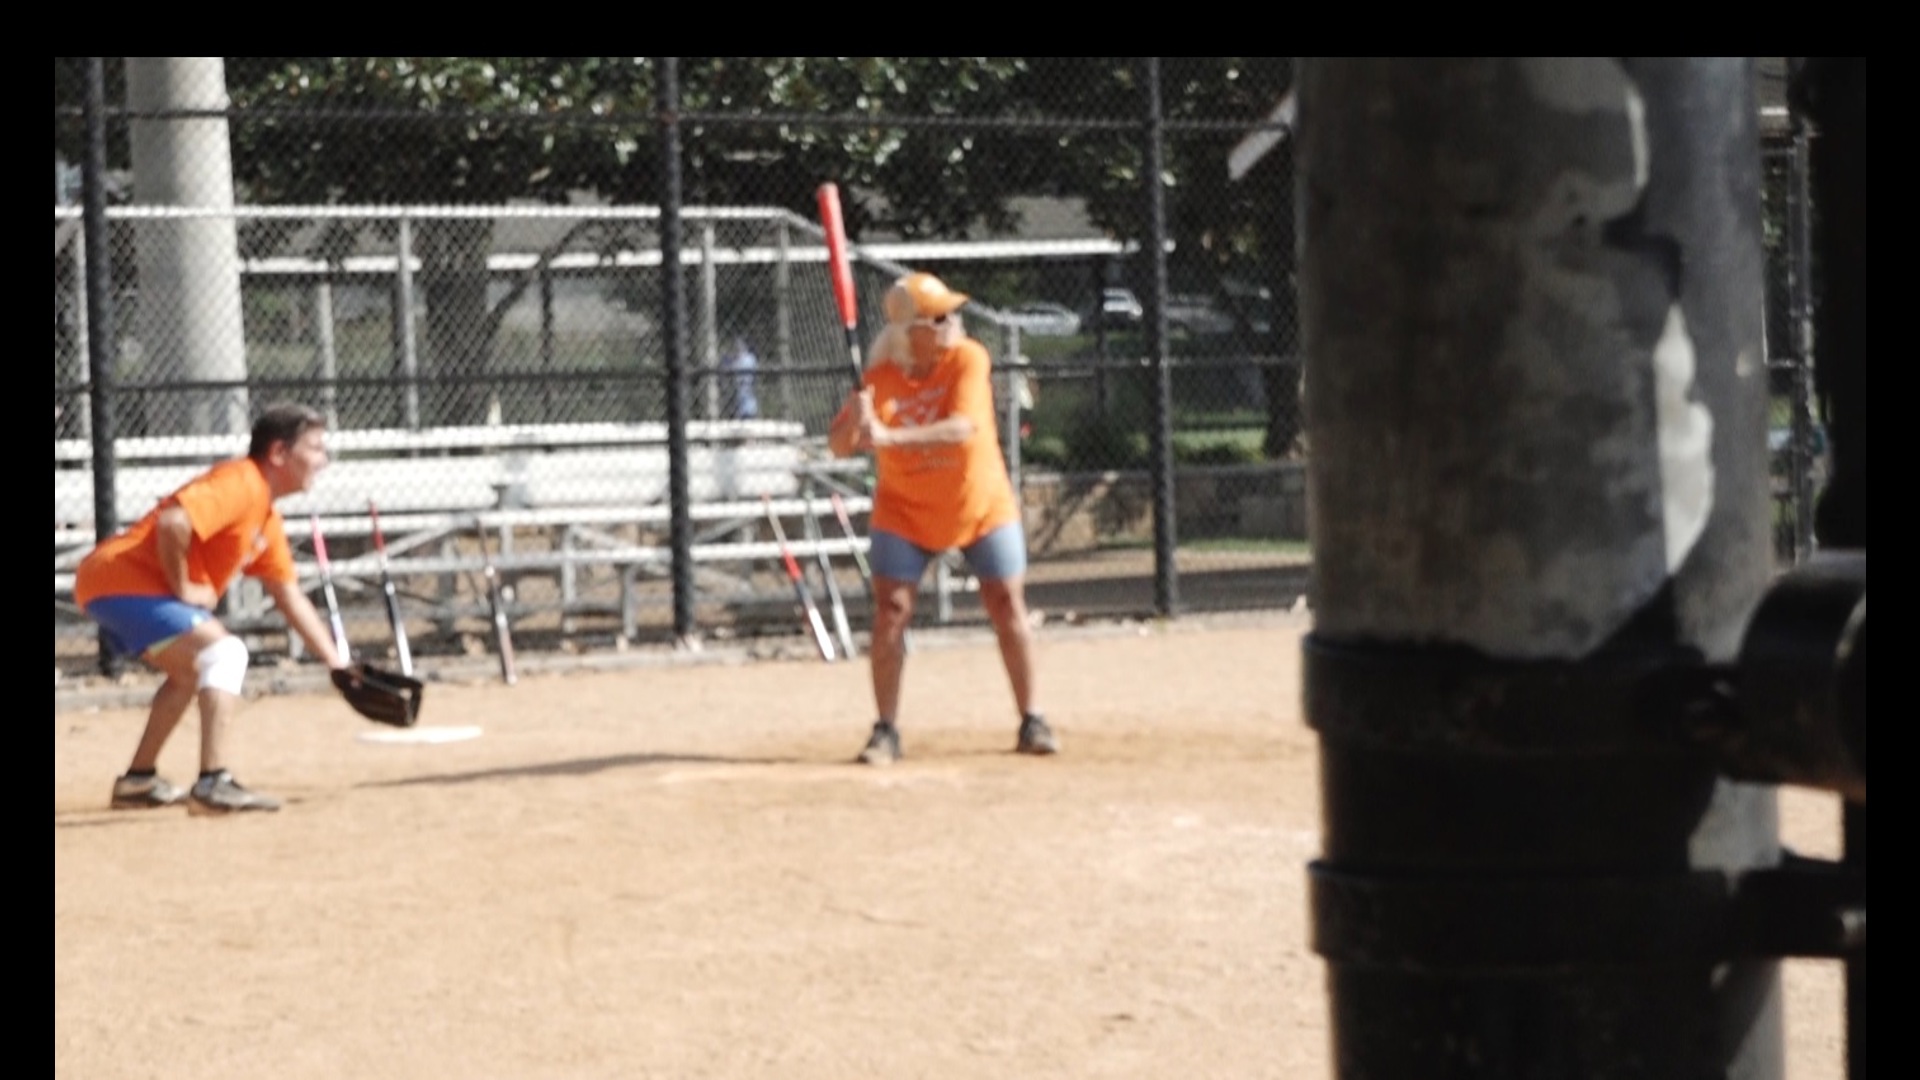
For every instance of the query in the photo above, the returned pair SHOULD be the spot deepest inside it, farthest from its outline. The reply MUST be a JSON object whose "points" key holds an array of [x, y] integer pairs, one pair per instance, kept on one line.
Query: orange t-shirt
{"points": [[235, 529], [941, 497]]}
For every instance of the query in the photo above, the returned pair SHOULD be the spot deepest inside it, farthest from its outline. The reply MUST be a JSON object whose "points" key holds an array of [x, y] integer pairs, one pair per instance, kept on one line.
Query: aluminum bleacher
{"points": [[557, 501]]}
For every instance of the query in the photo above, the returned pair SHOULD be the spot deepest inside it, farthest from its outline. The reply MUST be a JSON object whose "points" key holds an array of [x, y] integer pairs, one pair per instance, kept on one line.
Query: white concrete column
{"points": [[189, 322]]}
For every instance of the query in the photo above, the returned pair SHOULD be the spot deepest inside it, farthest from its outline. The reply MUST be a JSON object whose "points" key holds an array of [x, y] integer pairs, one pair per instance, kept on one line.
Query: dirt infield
{"points": [[673, 871]]}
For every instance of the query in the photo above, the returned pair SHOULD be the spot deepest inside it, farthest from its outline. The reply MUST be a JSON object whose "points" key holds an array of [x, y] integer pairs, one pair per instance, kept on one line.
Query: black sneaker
{"points": [[1036, 737], [144, 793], [883, 746], [220, 793]]}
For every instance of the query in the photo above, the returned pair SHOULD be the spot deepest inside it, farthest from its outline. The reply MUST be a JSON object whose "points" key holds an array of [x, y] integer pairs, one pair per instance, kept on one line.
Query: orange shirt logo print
{"points": [[922, 408], [927, 406]]}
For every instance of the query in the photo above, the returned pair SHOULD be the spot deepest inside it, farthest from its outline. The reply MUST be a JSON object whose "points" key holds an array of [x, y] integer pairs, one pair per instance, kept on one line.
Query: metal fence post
{"points": [[547, 352], [83, 423], [673, 321], [709, 321], [103, 333], [783, 318], [1017, 372], [1166, 578], [403, 320], [1010, 439], [326, 354]]}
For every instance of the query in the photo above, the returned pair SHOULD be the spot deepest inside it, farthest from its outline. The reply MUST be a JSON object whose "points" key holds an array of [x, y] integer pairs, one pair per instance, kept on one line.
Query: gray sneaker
{"points": [[883, 746], [144, 793], [1036, 737], [220, 793]]}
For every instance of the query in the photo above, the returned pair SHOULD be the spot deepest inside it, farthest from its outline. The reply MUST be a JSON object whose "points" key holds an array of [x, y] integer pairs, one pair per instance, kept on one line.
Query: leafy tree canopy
{"points": [[951, 139]]}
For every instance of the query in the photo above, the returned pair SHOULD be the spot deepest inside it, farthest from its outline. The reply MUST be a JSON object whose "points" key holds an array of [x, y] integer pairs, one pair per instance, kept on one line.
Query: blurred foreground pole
{"points": [[1531, 295], [1832, 92]]}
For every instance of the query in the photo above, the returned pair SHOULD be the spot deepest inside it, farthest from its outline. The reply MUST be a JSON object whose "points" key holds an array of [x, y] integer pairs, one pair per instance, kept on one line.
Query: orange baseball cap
{"points": [[921, 296]]}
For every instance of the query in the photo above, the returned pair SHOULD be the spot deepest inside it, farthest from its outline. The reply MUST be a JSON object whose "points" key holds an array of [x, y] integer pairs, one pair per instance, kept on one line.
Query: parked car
{"points": [[1197, 315], [1119, 307], [1045, 318], [1253, 305]]}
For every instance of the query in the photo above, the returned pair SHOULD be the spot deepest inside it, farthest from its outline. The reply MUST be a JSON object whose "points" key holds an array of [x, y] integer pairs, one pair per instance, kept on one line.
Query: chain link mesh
{"points": [[460, 260]]}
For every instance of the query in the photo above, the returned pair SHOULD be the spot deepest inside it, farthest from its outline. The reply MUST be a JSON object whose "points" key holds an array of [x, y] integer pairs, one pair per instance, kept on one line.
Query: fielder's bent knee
{"points": [[223, 665]]}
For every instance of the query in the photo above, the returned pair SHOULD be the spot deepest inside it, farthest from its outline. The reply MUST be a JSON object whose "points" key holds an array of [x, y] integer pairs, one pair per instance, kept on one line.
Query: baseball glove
{"points": [[385, 697]]}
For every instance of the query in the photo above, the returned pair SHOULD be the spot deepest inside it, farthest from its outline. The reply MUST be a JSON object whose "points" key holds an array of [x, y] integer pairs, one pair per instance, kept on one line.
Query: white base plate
{"points": [[419, 736]]}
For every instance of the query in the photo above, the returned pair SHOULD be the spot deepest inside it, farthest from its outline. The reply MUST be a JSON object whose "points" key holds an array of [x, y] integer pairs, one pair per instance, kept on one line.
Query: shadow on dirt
{"points": [[579, 767]]}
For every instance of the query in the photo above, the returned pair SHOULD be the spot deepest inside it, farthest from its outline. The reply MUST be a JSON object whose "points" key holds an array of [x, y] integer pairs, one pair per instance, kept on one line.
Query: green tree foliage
{"points": [[921, 146], [934, 146]]}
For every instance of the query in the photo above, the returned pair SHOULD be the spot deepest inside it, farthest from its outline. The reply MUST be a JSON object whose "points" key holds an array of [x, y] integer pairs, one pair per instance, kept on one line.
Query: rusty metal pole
{"points": [[1532, 301]]}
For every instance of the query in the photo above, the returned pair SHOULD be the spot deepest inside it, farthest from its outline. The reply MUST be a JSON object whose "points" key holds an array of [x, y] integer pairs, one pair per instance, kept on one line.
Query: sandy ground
{"points": [[673, 871]]}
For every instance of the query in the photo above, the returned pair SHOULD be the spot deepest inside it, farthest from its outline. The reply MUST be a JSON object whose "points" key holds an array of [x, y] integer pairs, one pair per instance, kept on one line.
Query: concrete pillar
{"points": [[189, 326]]}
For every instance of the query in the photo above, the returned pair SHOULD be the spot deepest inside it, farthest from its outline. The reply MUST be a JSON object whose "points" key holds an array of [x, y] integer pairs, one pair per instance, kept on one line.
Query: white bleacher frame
{"points": [[773, 459], [502, 470]]}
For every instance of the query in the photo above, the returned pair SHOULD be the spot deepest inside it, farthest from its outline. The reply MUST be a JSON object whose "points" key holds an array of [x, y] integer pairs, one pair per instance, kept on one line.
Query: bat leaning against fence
{"points": [[835, 603], [496, 606], [326, 587], [402, 648], [815, 624], [846, 529], [382, 696]]}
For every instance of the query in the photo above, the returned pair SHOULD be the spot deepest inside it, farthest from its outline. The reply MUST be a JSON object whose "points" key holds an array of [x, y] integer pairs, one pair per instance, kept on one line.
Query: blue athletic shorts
{"points": [[996, 556], [137, 623]]}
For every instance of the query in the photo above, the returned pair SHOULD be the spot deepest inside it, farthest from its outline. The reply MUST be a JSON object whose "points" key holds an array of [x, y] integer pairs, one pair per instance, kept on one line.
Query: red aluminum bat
{"points": [[401, 646], [821, 640], [841, 269]]}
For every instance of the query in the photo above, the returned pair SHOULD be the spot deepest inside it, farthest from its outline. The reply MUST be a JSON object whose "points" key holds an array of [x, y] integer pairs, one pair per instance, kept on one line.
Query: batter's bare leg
{"points": [[886, 661], [892, 612], [1006, 604]]}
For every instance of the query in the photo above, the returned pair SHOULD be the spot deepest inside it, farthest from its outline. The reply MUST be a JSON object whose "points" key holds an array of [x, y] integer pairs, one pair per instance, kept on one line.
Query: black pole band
{"points": [[1449, 698], [1539, 925], [1486, 817]]}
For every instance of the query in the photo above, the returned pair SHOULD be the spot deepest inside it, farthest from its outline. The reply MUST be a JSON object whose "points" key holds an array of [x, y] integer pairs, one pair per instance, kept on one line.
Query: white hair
{"points": [[891, 345]]}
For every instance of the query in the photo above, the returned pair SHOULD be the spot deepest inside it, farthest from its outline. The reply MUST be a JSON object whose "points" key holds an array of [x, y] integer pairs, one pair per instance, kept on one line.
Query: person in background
{"points": [[739, 363]]}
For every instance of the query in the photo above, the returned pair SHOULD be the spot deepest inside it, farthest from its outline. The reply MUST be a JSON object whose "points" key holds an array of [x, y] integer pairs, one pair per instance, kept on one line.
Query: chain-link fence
{"points": [[582, 304]]}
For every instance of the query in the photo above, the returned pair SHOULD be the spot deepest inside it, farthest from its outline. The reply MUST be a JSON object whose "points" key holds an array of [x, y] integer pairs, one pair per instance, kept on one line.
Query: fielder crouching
{"points": [[152, 588]]}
